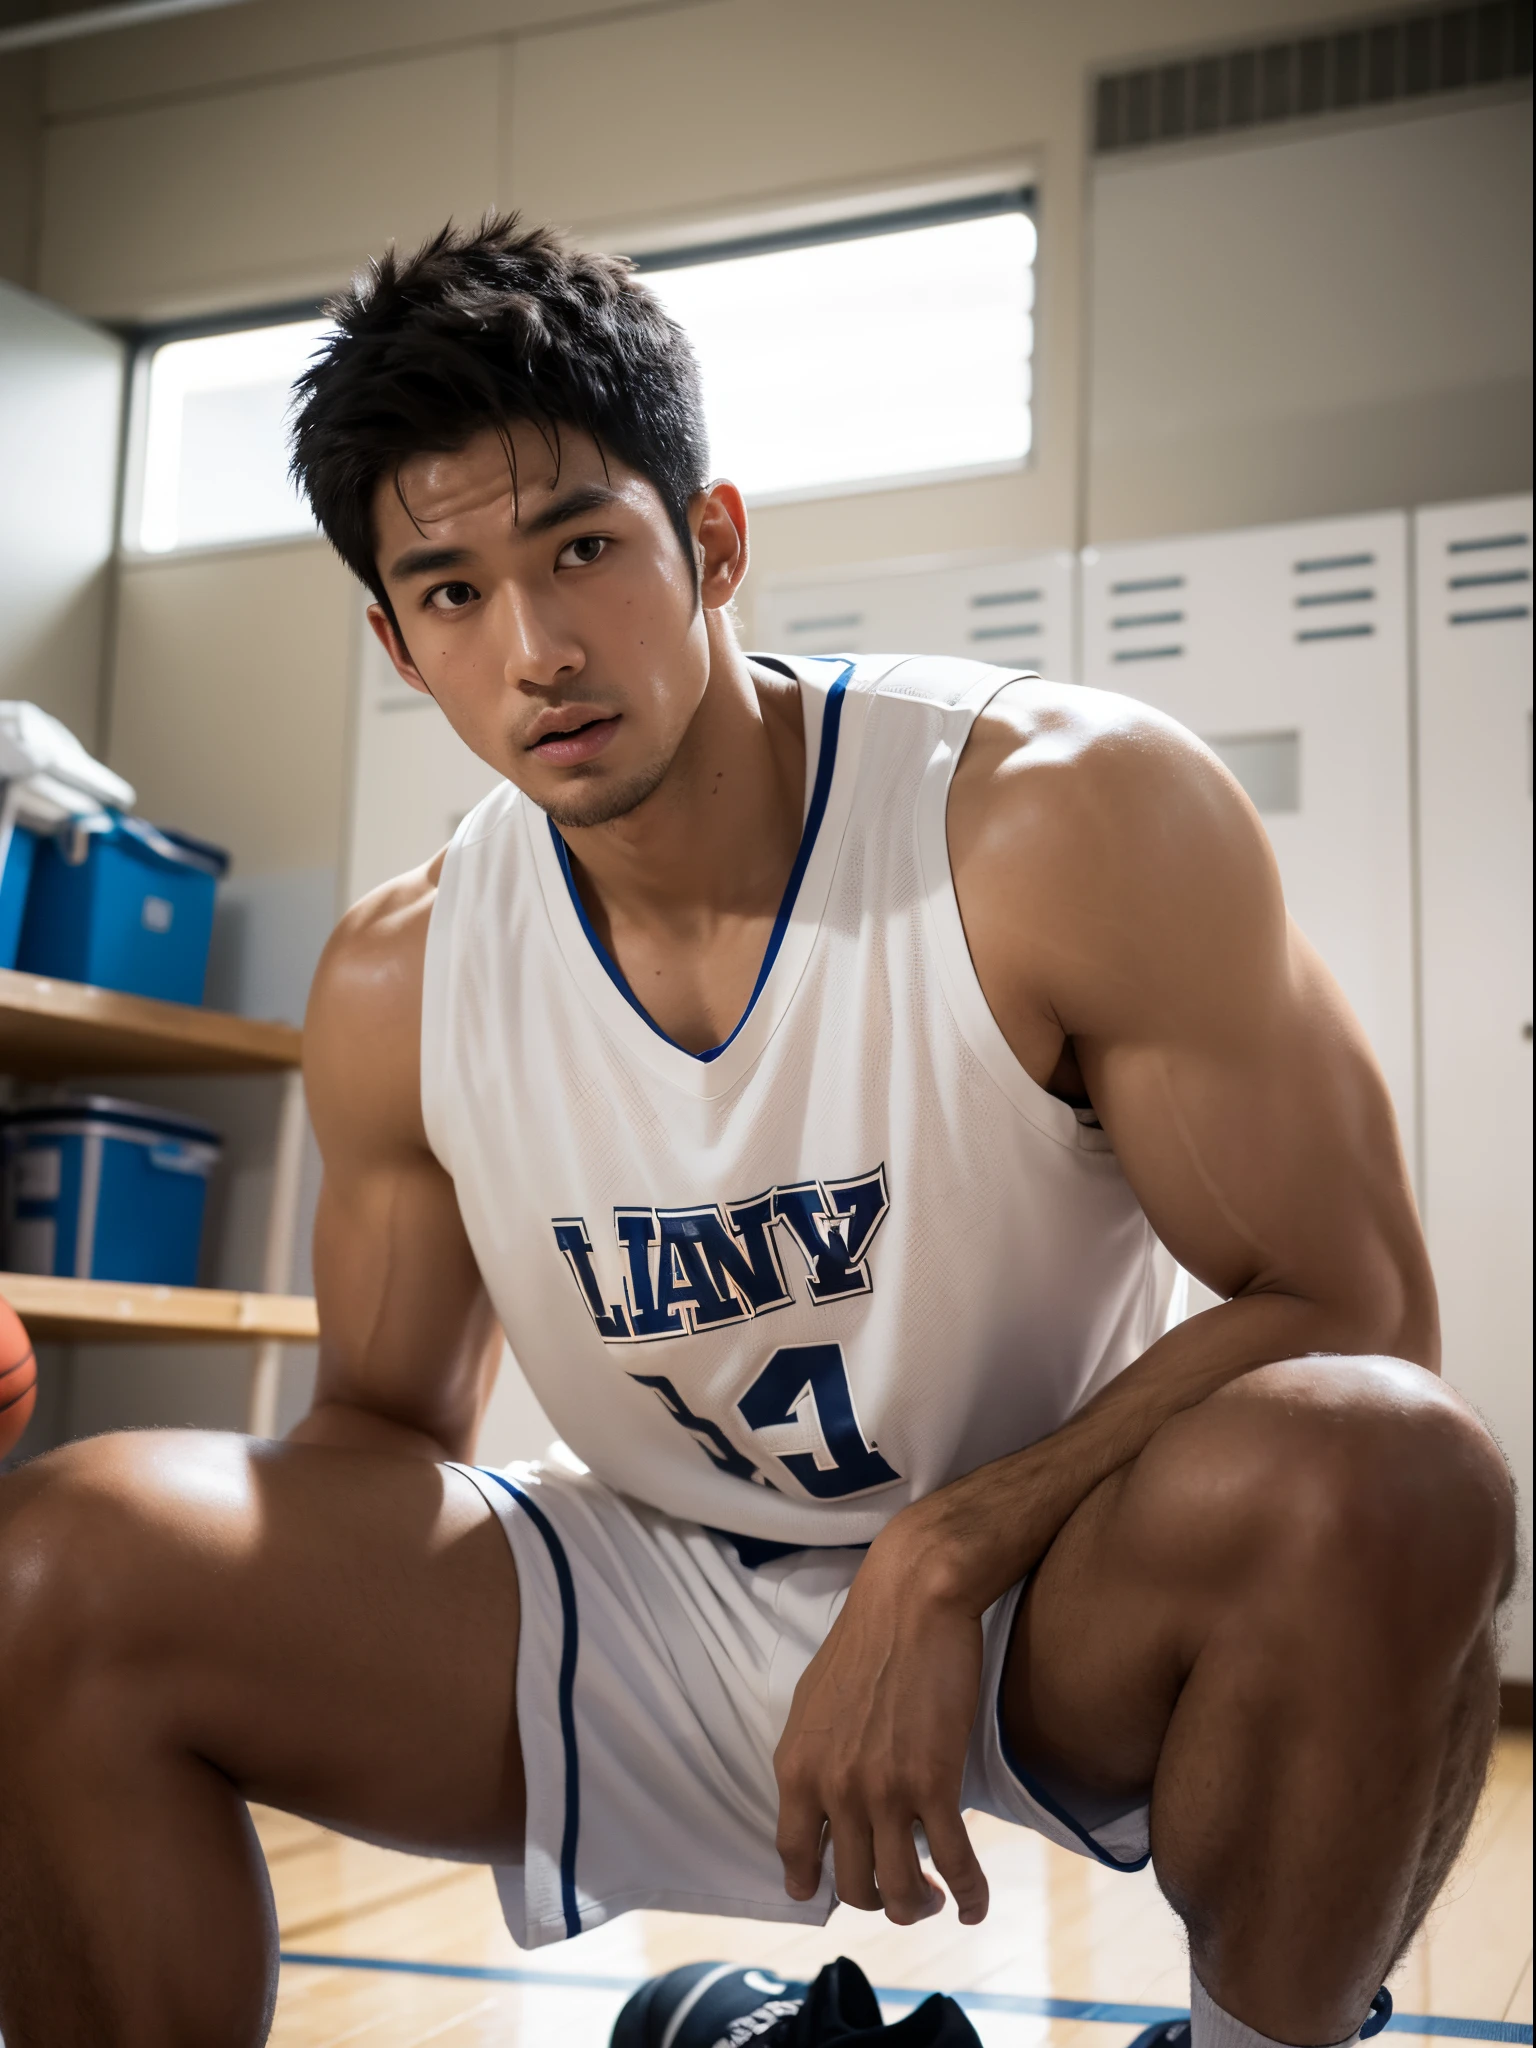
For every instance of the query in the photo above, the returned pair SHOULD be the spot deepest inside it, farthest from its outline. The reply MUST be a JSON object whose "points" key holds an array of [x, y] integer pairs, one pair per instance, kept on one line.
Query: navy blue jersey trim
{"points": [[567, 1585], [826, 761], [1053, 1806], [753, 1552]]}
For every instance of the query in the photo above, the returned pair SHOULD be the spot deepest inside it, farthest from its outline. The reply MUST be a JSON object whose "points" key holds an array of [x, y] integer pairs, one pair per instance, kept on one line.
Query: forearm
{"points": [[978, 1536]]}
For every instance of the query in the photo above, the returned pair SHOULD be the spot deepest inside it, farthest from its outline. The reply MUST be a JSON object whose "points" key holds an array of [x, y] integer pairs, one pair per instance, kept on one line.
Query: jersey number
{"points": [[800, 1411]]}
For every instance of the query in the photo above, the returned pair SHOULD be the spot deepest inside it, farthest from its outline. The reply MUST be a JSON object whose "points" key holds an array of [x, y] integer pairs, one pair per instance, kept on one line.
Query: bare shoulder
{"points": [[362, 1030], [1087, 780], [1096, 842]]}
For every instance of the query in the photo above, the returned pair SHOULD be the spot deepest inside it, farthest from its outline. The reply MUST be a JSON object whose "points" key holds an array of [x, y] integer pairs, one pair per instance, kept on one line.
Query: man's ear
{"points": [[389, 639], [719, 524]]}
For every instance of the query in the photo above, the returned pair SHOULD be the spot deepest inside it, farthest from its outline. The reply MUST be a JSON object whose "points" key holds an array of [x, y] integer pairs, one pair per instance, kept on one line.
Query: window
{"points": [[214, 448], [873, 351], [868, 353]]}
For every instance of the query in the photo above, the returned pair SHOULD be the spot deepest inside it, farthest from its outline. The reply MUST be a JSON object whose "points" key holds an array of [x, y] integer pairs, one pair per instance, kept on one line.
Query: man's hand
{"points": [[876, 1741]]}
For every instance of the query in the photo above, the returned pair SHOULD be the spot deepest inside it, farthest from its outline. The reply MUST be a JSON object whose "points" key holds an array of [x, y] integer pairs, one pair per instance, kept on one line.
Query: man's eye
{"points": [[581, 553], [451, 597]]}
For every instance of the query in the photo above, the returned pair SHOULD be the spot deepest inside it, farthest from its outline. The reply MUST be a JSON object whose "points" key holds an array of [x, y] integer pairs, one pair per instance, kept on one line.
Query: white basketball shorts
{"points": [[654, 1676]]}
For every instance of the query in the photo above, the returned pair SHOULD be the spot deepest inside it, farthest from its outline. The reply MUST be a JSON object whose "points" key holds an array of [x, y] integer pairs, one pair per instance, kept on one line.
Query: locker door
{"points": [[1014, 610], [1285, 648], [413, 778], [1473, 583]]}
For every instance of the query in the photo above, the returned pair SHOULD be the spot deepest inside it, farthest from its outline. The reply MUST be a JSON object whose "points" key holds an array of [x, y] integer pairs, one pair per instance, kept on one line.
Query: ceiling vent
{"points": [[1334, 71]]}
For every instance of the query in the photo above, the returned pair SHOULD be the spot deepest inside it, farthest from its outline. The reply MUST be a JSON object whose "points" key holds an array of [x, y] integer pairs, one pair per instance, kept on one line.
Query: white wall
{"points": [[1303, 325], [61, 395]]}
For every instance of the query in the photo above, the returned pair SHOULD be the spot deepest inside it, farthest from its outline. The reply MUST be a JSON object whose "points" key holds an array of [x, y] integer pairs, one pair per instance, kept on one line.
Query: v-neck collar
{"points": [[830, 790]]}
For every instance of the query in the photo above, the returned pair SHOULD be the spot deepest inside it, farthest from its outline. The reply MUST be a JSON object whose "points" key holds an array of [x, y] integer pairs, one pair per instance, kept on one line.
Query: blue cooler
{"points": [[15, 875], [134, 911], [97, 1189]]}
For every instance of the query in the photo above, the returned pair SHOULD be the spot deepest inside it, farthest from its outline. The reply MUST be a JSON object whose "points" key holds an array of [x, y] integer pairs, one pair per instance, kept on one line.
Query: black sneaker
{"points": [[721, 2005]]}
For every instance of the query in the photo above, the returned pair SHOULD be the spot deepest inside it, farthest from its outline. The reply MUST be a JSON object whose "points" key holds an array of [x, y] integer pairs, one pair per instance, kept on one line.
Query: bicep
{"points": [[1242, 1098]]}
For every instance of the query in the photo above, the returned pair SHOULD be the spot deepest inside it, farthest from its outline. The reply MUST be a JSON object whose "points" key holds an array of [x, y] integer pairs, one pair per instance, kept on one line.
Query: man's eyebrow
{"points": [[430, 561], [426, 562], [584, 498]]}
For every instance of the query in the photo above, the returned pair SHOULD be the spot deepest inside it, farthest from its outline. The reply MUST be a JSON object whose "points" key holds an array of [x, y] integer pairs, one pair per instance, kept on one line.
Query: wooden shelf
{"points": [[85, 1311], [49, 1029]]}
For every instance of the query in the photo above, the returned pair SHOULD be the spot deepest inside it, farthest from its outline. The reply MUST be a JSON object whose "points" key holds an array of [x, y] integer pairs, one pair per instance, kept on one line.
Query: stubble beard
{"points": [[576, 810]]}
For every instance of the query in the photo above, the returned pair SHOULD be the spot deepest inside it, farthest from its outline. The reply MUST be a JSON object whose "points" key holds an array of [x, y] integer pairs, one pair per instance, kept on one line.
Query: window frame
{"points": [[143, 341]]}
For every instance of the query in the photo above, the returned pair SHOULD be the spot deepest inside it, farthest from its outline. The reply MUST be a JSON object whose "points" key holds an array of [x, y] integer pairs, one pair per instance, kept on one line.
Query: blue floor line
{"points": [[898, 1994]]}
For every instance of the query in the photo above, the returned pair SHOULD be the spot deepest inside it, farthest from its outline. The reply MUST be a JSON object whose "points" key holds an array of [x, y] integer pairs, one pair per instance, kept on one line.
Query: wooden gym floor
{"points": [[389, 1951]]}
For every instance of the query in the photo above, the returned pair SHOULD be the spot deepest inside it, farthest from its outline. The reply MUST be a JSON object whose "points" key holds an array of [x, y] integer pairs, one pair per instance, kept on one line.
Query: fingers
{"points": [[853, 1862], [801, 1821], [906, 1893], [956, 1862]]}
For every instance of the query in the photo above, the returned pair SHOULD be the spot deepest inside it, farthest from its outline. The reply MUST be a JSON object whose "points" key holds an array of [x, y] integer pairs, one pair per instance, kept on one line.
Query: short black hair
{"points": [[480, 329]]}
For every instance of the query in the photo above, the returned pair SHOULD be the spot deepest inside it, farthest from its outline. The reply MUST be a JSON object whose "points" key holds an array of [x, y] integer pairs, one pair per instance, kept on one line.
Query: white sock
{"points": [[1210, 2027]]}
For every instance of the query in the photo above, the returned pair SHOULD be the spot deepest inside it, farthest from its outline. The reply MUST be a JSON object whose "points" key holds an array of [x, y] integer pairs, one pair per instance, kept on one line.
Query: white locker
{"points": [[413, 778], [1015, 610], [1286, 649], [1473, 587]]}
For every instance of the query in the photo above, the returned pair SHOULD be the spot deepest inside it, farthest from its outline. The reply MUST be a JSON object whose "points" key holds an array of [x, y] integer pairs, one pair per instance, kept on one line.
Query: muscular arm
{"points": [[1124, 913], [408, 1341], [1125, 918]]}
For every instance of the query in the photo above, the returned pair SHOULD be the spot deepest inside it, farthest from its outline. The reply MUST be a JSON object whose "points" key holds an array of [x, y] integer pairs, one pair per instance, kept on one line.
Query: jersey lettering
{"points": [[834, 1225], [800, 1411], [571, 1236], [702, 1267], [710, 1438]]}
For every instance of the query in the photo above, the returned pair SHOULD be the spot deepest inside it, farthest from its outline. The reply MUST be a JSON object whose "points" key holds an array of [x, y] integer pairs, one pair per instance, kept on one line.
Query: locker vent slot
{"points": [[833, 623], [1490, 576], [1508, 611], [1403, 55], [1146, 653], [1005, 632], [1145, 583], [1333, 562], [1313, 597], [989, 597], [1361, 632], [1267, 764], [1148, 619], [1492, 540]]}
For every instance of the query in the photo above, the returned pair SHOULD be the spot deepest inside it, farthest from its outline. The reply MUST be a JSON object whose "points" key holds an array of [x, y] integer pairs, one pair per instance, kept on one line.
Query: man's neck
{"points": [[716, 840]]}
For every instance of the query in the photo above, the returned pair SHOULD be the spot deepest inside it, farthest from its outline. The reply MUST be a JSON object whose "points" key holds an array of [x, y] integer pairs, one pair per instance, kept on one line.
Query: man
{"points": [[805, 1064]]}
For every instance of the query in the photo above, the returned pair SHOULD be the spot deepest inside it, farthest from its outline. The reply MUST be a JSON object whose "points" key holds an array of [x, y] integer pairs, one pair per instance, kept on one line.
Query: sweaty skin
{"points": [[1262, 1592]]}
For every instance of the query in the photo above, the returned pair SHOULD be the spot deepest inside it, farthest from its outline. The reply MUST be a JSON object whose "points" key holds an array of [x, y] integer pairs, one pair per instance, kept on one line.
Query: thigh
{"points": [[1120, 1605], [1264, 1521], [336, 1631]]}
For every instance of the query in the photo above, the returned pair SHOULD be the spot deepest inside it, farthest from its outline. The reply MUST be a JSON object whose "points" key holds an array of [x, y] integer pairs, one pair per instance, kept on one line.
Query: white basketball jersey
{"points": [[786, 1286]]}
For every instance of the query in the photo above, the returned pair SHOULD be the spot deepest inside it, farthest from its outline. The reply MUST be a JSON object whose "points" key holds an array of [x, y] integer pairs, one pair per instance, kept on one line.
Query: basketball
{"points": [[18, 1379]]}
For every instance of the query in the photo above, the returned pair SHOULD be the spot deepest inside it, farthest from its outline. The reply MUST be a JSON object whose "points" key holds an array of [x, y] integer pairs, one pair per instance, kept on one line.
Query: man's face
{"points": [[556, 624]]}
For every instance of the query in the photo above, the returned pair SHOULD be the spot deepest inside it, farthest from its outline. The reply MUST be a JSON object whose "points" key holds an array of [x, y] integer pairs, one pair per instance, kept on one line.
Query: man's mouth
{"points": [[576, 743]]}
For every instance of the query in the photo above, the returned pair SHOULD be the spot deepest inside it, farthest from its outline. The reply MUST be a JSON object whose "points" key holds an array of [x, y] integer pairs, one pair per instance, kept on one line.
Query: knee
{"points": [[84, 1538], [1360, 1480]]}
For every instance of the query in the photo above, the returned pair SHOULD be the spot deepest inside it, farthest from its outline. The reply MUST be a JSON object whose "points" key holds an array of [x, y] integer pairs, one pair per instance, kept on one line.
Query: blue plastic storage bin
{"points": [[134, 913], [15, 875], [97, 1189]]}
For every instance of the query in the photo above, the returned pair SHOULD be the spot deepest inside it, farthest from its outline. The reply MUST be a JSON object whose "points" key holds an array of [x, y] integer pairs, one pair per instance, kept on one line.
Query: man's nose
{"points": [[537, 651]]}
